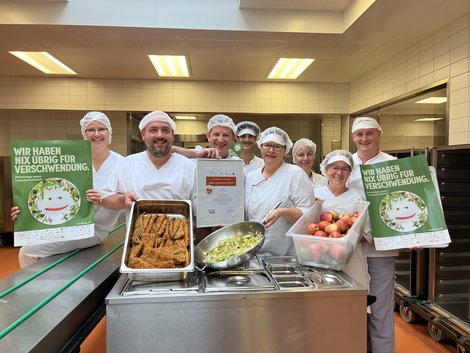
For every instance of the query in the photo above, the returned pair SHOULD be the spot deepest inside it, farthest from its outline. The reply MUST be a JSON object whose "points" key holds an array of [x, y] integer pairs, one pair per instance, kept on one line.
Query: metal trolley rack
{"points": [[435, 283]]}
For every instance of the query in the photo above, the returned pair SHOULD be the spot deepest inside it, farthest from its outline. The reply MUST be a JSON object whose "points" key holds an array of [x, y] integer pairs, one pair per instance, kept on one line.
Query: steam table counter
{"points": [[273, 305]]}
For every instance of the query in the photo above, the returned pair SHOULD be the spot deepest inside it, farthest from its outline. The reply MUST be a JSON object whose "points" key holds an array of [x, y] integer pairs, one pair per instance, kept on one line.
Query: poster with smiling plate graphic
{"points": [[50, 179], [404, 209]]}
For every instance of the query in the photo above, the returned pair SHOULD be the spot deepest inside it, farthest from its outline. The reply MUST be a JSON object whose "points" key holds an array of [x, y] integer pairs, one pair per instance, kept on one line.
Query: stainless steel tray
{"points": [[181, 208]]}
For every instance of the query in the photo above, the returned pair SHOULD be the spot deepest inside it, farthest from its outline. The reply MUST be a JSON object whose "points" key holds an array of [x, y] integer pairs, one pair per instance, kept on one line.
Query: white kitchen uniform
{"points": [[288, 183], [318, 180], [381, 267], [357, 264], [175, 180], [104, 222], [254, 164]]}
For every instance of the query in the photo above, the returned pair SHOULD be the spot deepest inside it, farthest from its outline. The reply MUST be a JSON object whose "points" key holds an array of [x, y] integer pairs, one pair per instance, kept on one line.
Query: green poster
{"points": [[50, 179], [404, 207]]}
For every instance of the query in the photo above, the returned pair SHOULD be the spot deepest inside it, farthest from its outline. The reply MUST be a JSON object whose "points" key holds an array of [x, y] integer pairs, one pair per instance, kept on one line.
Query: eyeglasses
{"points": [[267, 147], [336, 169], [98, 131]]}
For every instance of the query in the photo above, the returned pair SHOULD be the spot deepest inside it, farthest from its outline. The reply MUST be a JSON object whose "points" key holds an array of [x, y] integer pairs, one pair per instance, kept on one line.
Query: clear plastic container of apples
{"points": [[327, 234]]}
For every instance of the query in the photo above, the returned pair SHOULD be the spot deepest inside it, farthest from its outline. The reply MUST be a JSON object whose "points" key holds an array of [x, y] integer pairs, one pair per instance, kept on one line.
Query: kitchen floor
{"points": [[411, 337]]}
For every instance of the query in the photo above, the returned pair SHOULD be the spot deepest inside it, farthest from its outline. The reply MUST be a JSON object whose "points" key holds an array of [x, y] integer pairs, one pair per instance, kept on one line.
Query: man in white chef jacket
{"points": [[247, 134], [366, 134], [220, 134], [155, 173]]}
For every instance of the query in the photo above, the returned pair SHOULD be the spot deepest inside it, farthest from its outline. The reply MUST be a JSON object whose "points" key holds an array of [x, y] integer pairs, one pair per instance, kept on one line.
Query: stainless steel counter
{"points": [[313, 311]]}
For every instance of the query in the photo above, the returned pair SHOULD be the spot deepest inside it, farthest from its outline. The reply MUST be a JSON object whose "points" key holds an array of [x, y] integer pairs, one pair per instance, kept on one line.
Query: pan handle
{"points": [[272, 209]]}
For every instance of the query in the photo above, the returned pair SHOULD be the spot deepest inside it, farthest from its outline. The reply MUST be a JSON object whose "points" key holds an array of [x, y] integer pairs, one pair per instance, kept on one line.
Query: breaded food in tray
{"points": [[159, 241]]}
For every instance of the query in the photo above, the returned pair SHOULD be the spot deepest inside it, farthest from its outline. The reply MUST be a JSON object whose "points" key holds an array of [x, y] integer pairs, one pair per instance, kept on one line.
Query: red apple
{"points": [[326, 216], [335, 235], [342, 224], [312, 228], [333, 227], [351, 220], [345, 216], [324, 246], [356, 214], [320, 233], [322, 225], [314, 251], [335, 214], [337, 251]]}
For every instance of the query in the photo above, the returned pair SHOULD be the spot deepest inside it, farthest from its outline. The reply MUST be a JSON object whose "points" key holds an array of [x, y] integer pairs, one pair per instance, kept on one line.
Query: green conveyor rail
{"points": [[41, 304], [47, 268]]}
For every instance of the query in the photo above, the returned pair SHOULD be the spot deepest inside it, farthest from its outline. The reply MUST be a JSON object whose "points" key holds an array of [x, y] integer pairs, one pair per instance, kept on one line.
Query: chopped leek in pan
{"points": [[232, 247]]}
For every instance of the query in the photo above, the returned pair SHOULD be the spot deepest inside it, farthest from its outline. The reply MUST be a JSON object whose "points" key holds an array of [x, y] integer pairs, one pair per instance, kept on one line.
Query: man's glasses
{"points": [[98, 131], [267, 147]]}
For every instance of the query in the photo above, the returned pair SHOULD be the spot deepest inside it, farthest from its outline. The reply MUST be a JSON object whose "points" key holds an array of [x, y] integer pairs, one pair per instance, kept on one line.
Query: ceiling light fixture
{"points": [[429, 119], [432, 100], [44, 62], [289, 68], [170, 65], [185, 117]]}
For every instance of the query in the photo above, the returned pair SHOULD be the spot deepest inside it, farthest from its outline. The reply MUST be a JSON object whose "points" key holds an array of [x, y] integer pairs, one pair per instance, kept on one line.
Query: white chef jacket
{"points": [[105, 219], [175, 180], [355, 183], [288, 183], [254, 164], [318, 180]]}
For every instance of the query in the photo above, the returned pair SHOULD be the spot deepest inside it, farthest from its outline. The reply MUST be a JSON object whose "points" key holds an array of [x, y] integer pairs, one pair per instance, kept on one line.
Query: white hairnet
{"points": [[157, 116], [365, 122], [304, 143], [96, 116], [335, 156], [221, 120], [247, 127], [277, 135]]}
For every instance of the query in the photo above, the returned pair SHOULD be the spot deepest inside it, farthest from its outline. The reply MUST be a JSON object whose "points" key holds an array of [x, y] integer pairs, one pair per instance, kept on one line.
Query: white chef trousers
{"points": [[30, 254], [380, 322]]}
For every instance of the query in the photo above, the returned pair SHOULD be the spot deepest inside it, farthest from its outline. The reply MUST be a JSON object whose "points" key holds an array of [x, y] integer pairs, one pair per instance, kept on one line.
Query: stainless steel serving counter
{"points": [[268, 309]]}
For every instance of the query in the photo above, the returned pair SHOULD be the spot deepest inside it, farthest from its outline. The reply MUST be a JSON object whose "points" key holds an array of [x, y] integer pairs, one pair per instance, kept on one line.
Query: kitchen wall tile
{"points": [[459, 53], [459, 67]]}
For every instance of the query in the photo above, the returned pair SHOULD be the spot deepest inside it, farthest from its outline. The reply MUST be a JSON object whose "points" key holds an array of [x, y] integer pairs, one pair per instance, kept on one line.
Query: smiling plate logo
{"points": [[54, 201], [403, 211]]}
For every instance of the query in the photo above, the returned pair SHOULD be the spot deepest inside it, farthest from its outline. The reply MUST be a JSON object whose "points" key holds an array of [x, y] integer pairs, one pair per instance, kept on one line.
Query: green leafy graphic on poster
{"points": [[404, 207], [50, 179]]}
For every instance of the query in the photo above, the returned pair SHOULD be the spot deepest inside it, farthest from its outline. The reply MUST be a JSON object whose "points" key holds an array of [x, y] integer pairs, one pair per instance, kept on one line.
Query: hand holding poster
{"points": [[404, 208], [50, 179]]}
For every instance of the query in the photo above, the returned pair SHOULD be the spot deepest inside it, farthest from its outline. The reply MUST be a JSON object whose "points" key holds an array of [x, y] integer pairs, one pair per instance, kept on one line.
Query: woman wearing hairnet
{"points": [[96, 128], [337, 167], [277, 181], [303, 153]]}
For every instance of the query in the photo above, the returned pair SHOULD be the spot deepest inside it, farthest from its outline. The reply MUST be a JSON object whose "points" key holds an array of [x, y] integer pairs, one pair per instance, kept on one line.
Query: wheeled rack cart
{"points": [[435, 283]]}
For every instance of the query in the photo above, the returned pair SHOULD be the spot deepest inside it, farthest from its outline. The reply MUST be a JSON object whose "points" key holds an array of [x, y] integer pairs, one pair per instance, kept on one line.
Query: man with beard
{"points": [[155, 173]]}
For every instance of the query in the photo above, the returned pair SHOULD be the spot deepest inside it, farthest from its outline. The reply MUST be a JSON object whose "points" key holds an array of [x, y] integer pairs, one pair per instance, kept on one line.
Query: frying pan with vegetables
{"points": [[247, 236]]}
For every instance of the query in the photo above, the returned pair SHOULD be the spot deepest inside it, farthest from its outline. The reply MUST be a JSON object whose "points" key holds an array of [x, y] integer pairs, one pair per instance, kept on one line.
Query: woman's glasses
{"points": [[336, 169], [267, 147], [101, 130]]}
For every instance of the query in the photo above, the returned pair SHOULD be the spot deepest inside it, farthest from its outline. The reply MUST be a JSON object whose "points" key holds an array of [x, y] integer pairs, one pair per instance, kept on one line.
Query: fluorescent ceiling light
{"points": [[289, 68], [185, 117], [433, 100], [170, 65], [44, 61], [429, 119]]}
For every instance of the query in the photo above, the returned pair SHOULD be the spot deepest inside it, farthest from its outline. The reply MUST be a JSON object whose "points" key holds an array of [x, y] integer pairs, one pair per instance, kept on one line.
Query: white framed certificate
{"points": [[220, 192]]}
